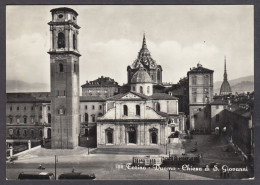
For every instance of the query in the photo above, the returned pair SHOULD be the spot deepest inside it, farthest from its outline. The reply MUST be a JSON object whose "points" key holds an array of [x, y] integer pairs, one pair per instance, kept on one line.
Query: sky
{"points": [[110, 38]]}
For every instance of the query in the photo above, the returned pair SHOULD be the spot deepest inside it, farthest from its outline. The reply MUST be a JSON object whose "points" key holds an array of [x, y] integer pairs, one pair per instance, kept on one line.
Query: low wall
{"points": [[26, 151]]}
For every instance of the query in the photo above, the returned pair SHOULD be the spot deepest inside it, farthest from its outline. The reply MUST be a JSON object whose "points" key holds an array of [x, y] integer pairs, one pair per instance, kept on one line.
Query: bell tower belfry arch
{"points": [[64, 61]]}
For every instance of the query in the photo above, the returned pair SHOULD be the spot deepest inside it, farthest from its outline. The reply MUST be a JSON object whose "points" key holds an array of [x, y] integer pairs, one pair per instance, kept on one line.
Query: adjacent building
{"points": [[104, 87], [200, 95]]}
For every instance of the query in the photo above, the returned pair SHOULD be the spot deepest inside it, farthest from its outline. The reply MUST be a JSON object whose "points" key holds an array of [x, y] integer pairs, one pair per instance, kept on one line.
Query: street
{"points": [[113, 166]]}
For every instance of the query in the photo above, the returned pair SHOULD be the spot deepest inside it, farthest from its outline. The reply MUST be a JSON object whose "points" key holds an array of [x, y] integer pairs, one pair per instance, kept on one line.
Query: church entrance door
{"points": [[154, 138], [109, 138], [132, 135]]}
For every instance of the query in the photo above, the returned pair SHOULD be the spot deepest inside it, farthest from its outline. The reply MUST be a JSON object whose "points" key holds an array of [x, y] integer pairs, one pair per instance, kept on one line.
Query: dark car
{"points": [[33, 175], [193, 150], [77, 175]]}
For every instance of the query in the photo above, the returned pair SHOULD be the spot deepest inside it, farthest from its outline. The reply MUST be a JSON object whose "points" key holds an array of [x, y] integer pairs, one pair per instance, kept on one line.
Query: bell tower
{"points": [[64, 61]]}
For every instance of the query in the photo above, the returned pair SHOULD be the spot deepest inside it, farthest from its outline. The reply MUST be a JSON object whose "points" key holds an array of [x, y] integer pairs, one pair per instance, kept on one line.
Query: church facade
{"points": [[140, 116]]}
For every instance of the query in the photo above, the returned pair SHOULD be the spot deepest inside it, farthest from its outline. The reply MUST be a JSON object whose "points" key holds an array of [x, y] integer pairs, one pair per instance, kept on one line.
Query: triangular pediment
{"points": [[131, 95]]}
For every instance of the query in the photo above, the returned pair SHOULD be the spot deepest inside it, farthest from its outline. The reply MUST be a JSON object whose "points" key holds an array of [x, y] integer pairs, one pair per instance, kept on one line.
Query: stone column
{"points": [[11, 151], [29, 144]]}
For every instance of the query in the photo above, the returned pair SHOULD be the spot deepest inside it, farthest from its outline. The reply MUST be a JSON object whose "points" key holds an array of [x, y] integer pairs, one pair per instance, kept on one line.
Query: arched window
{"points": [[158, 107], [125, 110], [40, 132], [141, 89], [74, 41], [18, 132], [158, 75], [138, 110], [61, 67], [24, 119], [93, 117], [148, 90], [49, 118], [25, 132], [86, 117], [11, 132], [61, 40]]}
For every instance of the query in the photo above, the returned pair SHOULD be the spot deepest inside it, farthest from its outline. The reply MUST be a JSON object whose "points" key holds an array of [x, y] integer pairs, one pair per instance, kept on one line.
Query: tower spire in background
{"points": [[144, 42], [225, 70]]}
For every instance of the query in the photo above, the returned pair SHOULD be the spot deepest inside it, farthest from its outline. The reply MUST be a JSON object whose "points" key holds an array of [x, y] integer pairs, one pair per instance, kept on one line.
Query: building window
{"points": [[11, 132], [86, 117], [93, 107], [40, 107], [24, 108], [172, 129], [40, 133], [49, 118], [18, 120], [194, 98], [61, 40], [32, 108], [75, 67], [49, 108], [206, 90], [138, 110], [194, 90], [158, 75], [141, 89], [206, 80], [93, 118], [25, 132], [17, 108], [61, 69], [125, 110], [11, 108], [74, 41], [158, 107], [25, 120], [32, 132], [100, 107], [11, 119], [194, 80], [18, 132], [148, 90], [133, 88], [86, 107]]}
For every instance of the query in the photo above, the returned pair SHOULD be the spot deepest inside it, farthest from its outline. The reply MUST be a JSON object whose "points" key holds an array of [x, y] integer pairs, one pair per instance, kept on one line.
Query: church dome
{"points": [[144, 58], [141, 76], [225, 88]]}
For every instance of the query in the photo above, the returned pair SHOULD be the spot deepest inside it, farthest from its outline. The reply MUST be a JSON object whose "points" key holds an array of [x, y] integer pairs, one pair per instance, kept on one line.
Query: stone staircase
{"points": [[128, 151]]}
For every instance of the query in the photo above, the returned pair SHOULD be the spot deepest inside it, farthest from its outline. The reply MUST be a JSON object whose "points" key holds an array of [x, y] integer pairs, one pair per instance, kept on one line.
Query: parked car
{"points": [[77, 175], [35, 175]]}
